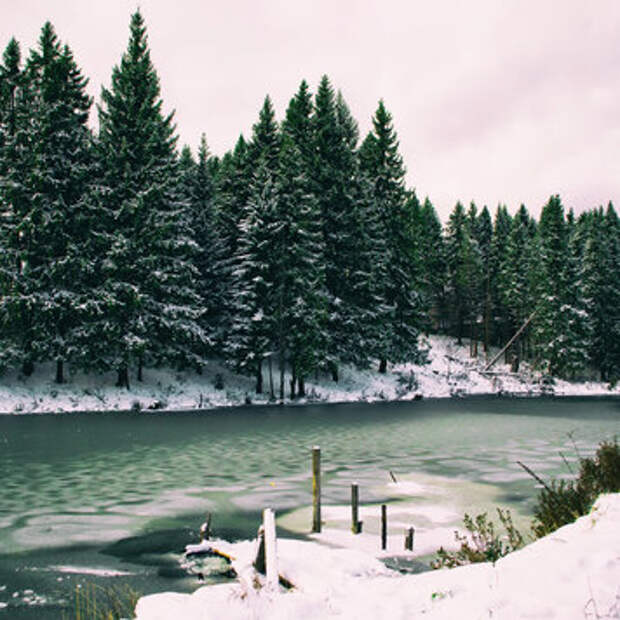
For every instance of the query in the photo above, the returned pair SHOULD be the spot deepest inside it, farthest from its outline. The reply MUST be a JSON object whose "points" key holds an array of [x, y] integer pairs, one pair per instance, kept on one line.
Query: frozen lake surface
{"points": [[112, 498]]}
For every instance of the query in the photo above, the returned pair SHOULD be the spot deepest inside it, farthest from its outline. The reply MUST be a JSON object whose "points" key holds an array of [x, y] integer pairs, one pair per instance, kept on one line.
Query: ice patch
{"points": [[87, 570]]}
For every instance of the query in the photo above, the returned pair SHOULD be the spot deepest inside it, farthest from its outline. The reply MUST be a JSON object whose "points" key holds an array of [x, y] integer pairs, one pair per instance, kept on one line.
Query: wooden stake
{"points": [[271, 552], [409, 539], [383, 527], [259, 560], [316, 489], [356, 526], [205, 529]]}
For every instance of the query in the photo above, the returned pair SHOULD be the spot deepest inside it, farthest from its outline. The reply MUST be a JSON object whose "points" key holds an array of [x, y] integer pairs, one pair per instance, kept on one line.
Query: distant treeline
{"points": [[301, 245]]}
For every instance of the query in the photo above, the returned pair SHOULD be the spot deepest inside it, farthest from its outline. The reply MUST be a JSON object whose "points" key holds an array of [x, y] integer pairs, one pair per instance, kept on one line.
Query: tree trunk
{"points": [[27, 367], [333, 368], [301, 382], [59, 372], [293, 381], [487, 323], [473, 339], [140, 365], [383, 365], [272, 394], [123, 377], [259, 377], [281, 377], [516, 357]]}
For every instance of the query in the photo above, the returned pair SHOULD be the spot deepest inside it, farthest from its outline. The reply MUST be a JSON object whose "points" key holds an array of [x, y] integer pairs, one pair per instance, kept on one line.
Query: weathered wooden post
{"points": [[316, 489], [409, 539], [205, 529], [383, 527], [271, 552], [356, 524]]}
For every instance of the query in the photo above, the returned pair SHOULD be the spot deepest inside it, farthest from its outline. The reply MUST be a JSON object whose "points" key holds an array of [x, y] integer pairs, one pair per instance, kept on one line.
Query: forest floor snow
{"points": [[450, 372], [573, 573]]}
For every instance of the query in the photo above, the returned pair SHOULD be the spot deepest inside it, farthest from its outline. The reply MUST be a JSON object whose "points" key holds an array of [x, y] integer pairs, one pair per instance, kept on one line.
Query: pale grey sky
{"points": [[493, 100]]}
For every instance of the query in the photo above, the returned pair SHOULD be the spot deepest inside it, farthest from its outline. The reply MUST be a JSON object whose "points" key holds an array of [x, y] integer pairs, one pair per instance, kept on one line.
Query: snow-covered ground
{"points": [[451, 372], [573, 573]]}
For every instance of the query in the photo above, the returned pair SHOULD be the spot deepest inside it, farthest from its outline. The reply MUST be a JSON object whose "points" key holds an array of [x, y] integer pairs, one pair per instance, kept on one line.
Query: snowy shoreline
{"points": [[571, 573], [450, 373]]}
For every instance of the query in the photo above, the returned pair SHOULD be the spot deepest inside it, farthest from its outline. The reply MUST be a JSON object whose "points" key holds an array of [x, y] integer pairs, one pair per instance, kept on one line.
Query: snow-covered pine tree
{"points": [[148, 281], [517, 293], [500, 323], [300, 295], [477, 276], [196, 188], [210, 260], [560, 317], [252, 335], [49, 203], [484, 236], [10, 156], [401, 288], [10, 79], [610, 365], [461, 265], [232, 193], [432, 253], [336, 182], [601, 277], [265, 143]]}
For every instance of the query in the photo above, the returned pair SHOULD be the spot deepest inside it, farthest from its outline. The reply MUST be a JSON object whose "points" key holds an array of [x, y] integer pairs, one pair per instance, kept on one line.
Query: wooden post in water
{"points": [[383, 527], [205, 529], [316, 489], [356, 526], [409, 539]]}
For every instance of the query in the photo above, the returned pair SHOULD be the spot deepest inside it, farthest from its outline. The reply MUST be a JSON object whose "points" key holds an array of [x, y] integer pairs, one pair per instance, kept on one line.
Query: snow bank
{"points": [[573, 573], [450, 372]]}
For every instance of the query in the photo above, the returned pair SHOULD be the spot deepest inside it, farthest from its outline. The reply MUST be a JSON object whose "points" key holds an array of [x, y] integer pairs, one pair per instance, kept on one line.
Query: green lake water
{"points": [[111, 499]]}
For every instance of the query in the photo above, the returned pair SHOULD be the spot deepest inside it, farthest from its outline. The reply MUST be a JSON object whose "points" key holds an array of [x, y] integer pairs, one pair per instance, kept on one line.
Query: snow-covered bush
{"points": [[482, 543], [561, 502]]}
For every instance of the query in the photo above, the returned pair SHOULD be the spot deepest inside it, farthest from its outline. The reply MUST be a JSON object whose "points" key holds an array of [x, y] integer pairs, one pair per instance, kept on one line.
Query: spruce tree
{"points": [[401, 287], [49, 171], [148, 276], [484, 236], [500, 324], [517, 292], [337, 185], [10, 323], [476, 273], [559, 323], [460, 265], [433, 256], [300, 294], [251, 337], [232, 193], [252, 334], [210, 259], [601, 278]]}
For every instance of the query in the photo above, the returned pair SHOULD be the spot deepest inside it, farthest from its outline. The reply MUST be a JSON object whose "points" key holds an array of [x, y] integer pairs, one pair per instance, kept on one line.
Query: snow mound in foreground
{"points": [[573, 573]]}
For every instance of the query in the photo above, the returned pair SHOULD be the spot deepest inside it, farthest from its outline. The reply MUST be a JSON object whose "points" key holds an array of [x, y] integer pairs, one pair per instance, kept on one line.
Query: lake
{"points": [[111, 498]]}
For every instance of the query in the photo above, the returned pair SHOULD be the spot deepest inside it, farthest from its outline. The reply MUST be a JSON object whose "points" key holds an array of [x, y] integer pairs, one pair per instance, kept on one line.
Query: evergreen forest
{"points": [[301, 247]]}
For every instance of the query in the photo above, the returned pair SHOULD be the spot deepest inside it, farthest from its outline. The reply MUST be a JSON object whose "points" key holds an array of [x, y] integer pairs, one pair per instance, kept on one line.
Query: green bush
{"points": [[483, 543], [562, 502]]}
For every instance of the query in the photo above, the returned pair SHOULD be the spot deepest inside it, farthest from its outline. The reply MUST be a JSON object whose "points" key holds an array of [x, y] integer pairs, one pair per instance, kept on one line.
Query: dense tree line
{"points": [[300, 249]]}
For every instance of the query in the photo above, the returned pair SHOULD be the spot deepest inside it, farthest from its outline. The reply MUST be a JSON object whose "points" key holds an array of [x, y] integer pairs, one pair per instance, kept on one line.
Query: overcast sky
{"points": [[493, 100]]}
